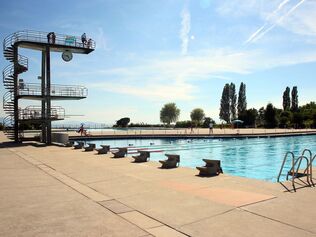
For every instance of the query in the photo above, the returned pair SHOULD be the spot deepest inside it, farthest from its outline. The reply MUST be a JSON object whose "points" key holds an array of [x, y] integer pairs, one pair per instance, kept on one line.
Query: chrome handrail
{"points": [[298, 161], [284, 159], [310, 166], [42, 37]]}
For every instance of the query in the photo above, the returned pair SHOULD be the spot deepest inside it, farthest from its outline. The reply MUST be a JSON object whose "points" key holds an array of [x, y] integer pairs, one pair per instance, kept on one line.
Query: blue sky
{"points": [[153, 52]]}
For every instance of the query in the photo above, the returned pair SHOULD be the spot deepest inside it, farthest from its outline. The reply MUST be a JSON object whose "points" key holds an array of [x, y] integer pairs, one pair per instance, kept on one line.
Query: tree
{"points": [[285, 119], [286, 99], [197, 115], [270, 116], [232, 100], [298, 121], [249, 117], [294, 107], [183, 124], [224, 112], [207, 121], [242, 101], [169, 113], [260, 117], [123, 122]]}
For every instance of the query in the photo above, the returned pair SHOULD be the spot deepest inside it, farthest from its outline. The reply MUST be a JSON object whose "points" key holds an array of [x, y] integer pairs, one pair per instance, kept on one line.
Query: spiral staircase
{"points": [[35, 40], [9, 73]]}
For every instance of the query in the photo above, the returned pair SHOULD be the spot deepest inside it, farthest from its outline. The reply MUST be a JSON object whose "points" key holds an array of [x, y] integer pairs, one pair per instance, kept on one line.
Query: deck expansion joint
{"points": [[278, 221]]}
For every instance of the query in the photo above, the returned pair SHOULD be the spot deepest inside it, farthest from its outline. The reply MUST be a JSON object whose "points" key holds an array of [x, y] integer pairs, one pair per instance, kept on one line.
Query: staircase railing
{"points": [[9, 69], [23, 61], [7, 97], [41, 37]]}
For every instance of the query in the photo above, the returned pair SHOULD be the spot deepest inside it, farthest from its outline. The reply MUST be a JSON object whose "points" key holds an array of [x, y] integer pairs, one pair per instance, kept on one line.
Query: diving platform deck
{"points": [[40, 40]]}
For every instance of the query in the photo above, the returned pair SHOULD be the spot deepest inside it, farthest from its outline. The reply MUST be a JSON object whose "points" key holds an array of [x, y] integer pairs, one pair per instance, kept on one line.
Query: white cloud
{"points": [[175, 78], [185, 30], [177, 90]]}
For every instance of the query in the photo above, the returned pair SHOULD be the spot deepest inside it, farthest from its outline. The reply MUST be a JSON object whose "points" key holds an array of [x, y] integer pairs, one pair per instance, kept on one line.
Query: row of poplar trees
{"points": [[229, 102], [289, 104]]}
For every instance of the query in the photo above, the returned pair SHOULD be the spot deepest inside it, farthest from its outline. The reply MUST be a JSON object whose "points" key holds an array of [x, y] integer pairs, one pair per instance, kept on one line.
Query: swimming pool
{"points": [[258, 158]]}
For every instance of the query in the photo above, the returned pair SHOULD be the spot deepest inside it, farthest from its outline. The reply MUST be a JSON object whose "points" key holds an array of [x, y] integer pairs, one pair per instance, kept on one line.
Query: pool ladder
{"points": [[295, 168]]}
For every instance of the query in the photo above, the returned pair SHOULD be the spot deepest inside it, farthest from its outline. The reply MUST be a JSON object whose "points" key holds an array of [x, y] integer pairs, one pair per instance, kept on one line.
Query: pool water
{"points": [[258, 158]]}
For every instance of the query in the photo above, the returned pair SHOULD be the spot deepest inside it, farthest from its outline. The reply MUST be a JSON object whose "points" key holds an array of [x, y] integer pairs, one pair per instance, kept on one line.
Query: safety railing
{"points": [[35, 113], [44, 37], [34, 89]]}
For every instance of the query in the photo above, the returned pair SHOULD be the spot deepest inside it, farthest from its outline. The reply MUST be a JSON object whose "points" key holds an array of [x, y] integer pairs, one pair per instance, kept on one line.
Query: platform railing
{"points": [[35, 113], [34, 89], [42, 37]]}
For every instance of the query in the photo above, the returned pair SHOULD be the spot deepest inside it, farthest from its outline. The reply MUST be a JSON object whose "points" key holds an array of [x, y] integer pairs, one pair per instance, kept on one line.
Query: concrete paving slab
{"points": [[241, 223], [140, 220], [231, 182], [115, 206], [165, 231], [89, 176], [25, 178], [15, 197], [84, 190], [173, 207], [122, 187], [12, 161], [54, 210], [231, 197], [79, 218], [297, 209]]}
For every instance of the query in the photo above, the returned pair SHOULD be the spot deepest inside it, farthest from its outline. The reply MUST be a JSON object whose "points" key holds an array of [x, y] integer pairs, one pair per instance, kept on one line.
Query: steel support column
{"points": [[16, 93], [48, 97], [43, 84]]}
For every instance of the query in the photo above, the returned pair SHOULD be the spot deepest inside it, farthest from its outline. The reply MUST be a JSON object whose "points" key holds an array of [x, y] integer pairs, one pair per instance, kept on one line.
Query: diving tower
{"points": [[45, 91]]}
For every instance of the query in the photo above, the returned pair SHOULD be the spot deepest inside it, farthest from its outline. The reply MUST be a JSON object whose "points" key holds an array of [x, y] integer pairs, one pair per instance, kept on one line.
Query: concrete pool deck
{"points": [[57, 191]]}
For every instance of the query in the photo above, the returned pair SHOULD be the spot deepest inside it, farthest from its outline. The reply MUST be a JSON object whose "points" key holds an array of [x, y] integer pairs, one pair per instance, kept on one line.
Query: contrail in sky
{"points": [[264, 30], [185, 29]]}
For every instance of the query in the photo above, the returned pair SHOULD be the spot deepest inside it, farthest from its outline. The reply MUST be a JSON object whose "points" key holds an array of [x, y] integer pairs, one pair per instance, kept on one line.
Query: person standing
{"points": [[49, 36], [53, 36], [211, 128], [84, 39]]}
